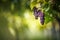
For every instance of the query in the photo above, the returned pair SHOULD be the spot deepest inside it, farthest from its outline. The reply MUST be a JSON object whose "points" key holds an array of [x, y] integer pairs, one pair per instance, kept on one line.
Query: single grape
{"points": [[40, 13]]}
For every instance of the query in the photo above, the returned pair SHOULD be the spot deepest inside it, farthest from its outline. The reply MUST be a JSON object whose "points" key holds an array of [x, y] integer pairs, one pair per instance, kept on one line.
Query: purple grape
{"points": [[38, 13], [41, 15]]}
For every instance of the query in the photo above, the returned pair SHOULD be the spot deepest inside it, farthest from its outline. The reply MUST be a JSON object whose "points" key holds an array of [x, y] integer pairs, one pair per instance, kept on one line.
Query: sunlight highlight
{"points": [[12, 6], [32, 23], [12, 31], [17, 21]]}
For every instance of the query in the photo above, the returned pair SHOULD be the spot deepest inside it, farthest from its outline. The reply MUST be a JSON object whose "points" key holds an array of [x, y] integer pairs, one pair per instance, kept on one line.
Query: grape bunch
{"points": [[38, 13]]}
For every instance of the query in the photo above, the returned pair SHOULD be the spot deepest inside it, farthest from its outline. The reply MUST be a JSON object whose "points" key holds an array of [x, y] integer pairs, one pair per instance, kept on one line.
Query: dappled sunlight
{"points": [[12, 31], [17, 21], [14, 22], [33, 25], [31, 22], [12, 6]]}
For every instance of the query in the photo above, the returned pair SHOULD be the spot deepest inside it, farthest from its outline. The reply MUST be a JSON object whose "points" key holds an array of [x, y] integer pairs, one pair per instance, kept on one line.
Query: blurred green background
{"points": [[17, 22]]}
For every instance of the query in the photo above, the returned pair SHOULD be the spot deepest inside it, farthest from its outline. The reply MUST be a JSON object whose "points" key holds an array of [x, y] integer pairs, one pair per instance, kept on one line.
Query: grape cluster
{"points": [[38, 13]]}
